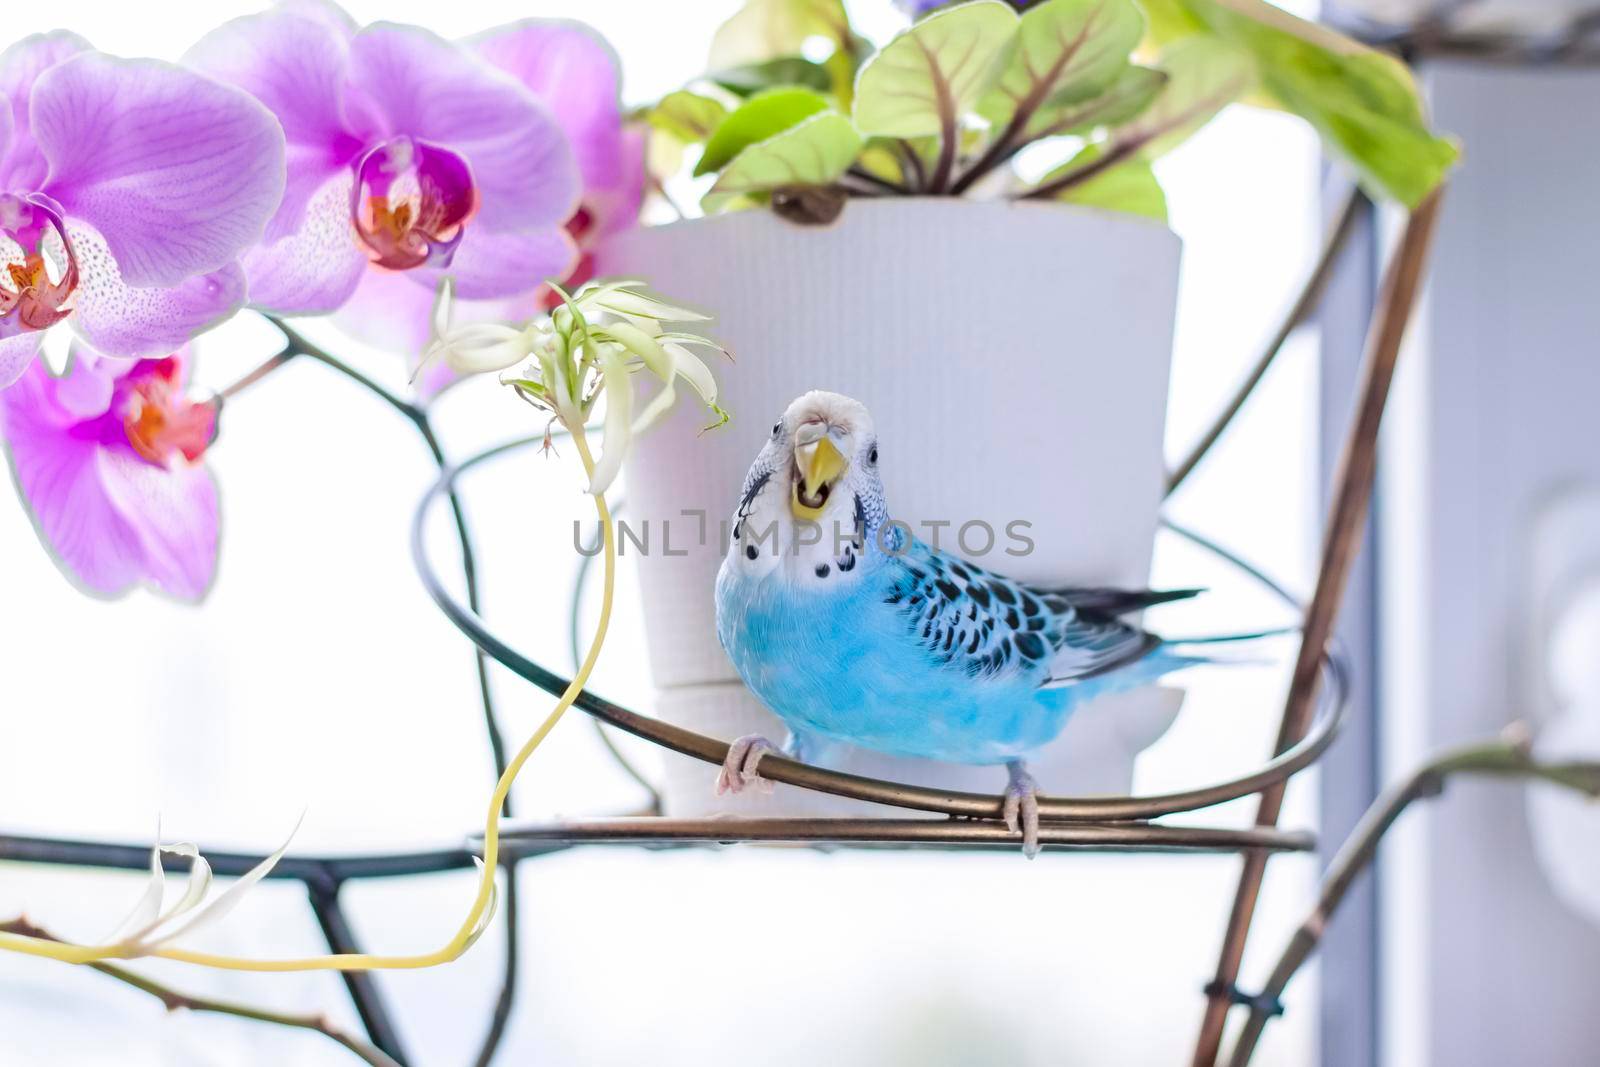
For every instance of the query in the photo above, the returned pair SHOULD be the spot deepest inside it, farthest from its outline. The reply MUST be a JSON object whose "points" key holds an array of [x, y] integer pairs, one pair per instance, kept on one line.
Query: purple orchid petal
{"points": [[174, 515], [616, 202], [488, 266], [110, 519], [16, 354], [572, 70], [313, 270], [85, 391], [326, 12], [389, 310], [179, 172], [123, 320], [412, 83], [21, 166], [297, 64]]}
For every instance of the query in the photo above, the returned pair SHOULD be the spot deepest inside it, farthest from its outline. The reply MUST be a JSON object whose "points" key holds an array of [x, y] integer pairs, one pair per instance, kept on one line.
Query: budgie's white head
{"points": [[813, 500]]}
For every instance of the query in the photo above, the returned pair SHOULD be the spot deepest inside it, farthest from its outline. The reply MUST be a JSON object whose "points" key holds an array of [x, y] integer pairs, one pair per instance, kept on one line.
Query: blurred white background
{"points": [[319, 676]]}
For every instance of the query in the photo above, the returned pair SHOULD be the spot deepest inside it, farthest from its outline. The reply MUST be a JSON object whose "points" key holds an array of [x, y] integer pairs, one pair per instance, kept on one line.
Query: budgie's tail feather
{"points": [[1173, 649], [1117, 602], [1229, 639]]}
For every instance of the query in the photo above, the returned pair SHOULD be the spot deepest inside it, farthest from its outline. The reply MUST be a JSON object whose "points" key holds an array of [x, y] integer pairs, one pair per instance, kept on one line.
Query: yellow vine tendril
{"points": [[362, 961]]}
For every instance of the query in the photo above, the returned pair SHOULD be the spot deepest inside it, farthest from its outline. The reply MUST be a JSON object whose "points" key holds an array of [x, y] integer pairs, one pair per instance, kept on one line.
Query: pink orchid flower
{"points": [[128, 188], [408, 157], [107, 459], [573, 73]]}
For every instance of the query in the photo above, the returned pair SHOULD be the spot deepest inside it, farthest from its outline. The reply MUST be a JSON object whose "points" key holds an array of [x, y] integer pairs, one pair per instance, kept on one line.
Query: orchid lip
{"points": [[40, 269], [162, 425], [411, 202]]}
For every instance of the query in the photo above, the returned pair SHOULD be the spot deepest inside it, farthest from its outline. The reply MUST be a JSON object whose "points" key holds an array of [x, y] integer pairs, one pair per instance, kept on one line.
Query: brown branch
{"points": [[1333, 243], [173, 1000], [1119, 152], [1508, 758], [1342, 540], [259, 373]]}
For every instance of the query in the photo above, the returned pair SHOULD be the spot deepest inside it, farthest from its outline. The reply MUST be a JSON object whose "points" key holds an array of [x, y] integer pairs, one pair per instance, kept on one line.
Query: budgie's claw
{"points": [[740, 768], [1021, 809]]}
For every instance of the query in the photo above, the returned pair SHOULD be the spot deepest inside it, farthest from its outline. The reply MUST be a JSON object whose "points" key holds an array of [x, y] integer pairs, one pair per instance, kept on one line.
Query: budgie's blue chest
{"points": [[857, 661]]}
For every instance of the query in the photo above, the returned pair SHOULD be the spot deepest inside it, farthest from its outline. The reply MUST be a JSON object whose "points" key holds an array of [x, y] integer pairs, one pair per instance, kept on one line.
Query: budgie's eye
{"points": [[872, 457], [777, 428]]}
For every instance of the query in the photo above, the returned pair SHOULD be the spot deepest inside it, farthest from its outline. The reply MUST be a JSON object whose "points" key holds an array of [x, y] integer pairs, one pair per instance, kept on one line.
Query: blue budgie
{"points": [[851, 630]]}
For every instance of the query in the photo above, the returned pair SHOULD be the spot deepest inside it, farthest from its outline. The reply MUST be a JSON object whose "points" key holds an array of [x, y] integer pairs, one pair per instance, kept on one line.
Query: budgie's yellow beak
{"points": [[820, 464]]}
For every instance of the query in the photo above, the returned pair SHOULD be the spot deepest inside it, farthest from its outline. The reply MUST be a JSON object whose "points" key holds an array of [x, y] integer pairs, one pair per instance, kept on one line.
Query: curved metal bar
{"points": [[1132, 837], [1293, 759]]}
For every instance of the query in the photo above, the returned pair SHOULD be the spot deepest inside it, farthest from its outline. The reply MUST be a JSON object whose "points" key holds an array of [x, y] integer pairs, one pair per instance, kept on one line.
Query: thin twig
{"points": [[1509, 757], [303, 347], [259, 373], [173, 1000], [873, 179], [1305, 304], [1117, 154], [660, 189]]}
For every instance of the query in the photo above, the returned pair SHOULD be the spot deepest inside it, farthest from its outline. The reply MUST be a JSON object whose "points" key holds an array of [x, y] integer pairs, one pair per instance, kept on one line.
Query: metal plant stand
{"points": [[1309, 722]]}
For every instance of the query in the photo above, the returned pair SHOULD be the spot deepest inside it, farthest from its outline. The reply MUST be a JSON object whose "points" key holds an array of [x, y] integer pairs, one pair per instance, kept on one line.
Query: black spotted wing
{"points": [[971, 619]]}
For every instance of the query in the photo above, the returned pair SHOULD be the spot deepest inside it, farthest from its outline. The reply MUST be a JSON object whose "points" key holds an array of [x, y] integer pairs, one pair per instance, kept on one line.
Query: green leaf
{"points": [[814, 152], [688, 117], [1204, 75], [1122, 101], [932, 75], [1168, 21], [764, 30], [773, 29], [1130, 187], [1364, 104], [1064, 52], [771, 73], [757, 119]]}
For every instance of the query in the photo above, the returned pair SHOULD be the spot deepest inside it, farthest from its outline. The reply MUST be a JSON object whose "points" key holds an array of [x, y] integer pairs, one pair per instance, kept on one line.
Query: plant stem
{"points": [[418, 416], [575, 643], [1507, 758], [870, 178], [173, 1000], [916, 171], [1116, 155], [471, 924], [259, 373]]}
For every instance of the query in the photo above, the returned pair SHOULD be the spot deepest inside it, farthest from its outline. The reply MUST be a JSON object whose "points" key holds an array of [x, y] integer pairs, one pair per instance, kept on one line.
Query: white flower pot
{"points": [[1015, 361]]}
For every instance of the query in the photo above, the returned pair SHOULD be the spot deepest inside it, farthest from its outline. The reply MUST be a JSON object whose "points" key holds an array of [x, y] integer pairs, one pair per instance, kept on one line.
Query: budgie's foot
{"points": [[1022, 807], [740, 768]]}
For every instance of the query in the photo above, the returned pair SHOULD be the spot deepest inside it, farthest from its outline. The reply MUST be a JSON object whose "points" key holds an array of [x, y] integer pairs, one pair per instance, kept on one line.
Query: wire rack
{"points": [[1309, 722]]}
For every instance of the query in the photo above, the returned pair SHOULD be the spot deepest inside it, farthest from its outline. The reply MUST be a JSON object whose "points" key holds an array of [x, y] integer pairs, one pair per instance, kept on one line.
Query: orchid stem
{"points": [[173, 1000], [470, 925], [419, 417], [230, 391]]}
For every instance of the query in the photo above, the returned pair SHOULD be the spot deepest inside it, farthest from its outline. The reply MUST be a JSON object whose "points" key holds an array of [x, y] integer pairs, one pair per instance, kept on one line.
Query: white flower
{"points": [[150, 926], [589, 346]]}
